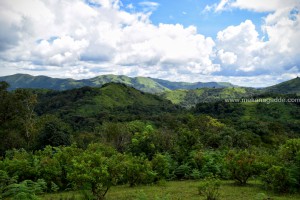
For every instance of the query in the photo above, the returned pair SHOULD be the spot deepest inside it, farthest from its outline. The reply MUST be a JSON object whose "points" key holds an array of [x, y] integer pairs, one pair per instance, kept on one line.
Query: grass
{"points": [[181, 190]]}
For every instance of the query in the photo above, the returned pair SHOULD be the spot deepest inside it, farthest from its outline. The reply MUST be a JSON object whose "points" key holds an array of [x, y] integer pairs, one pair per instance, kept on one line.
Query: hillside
{"points": [[287, 87], [144, 84], [189, 86], [113, 101], [188, 98]]}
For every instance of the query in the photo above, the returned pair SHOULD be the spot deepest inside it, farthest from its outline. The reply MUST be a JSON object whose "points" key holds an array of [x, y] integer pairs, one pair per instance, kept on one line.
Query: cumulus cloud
{"points": [[99, 33], [276, 54], [85, 38], [243, 43], [227, 58], [280, 53]]}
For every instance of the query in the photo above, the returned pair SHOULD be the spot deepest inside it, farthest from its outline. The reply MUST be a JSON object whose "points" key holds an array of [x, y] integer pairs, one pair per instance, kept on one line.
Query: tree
{"points": [[142, 143], [27, 116], [242, 165], [54, 132], [97, 170], [137, 170]]}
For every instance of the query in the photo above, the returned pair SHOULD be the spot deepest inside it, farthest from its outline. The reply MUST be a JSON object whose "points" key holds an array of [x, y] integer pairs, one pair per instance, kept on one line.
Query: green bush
{"points": [[183, 171], [289, 150], [280, 179], [195, 174], [210, 188], [243, 165], [137, 170], [54, 187], [162, 166], [208, 163], [26, 190]]}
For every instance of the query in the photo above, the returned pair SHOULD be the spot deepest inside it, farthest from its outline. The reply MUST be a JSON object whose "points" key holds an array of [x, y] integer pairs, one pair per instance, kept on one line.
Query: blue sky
{"points": [[191, 12], [248, 43]]}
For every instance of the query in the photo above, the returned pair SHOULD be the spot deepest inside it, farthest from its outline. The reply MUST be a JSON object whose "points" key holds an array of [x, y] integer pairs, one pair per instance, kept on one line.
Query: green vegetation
{"points": [[116, 142], [288, 87], [144, 84], [189, 98]]}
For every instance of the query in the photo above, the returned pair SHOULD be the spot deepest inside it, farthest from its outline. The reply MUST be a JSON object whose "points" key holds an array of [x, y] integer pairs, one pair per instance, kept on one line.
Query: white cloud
{"points": [[221, 6], [265, 5], [149, 6], [279, 54], [73, 38], [253, 5], [227, 58], [218, 7], [243, 42], [83, 39]]}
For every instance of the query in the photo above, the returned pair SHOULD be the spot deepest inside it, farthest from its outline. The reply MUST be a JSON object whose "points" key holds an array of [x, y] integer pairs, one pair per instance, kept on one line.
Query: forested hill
{"points": [[179, 93], [144, 84], [113, 101], [188, 98], [288, 87]]}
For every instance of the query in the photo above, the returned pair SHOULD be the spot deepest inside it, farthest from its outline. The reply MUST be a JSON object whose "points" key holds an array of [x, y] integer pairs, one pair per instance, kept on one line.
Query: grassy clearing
{"points": [[181, 190]]}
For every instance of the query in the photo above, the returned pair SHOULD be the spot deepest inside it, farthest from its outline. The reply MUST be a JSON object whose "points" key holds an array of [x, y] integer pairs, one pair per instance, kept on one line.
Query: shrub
{"points": [[289, 150], [242, 165], [208, 163], [26, 190], [280, 179], [54, 187], [182, 171], [137, 170], [162, 165], [210, 188], [195, 174]]}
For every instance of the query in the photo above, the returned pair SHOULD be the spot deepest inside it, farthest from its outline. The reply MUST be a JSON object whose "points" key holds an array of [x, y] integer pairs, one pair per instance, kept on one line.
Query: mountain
{"points": [[188, 98], [28, 81], [189, 86], [144, 84], [112, 101], [288, 87]]}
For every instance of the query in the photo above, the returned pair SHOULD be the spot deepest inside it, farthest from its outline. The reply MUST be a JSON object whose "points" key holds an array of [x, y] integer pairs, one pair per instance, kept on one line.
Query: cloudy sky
{"points": [[245, 42]]}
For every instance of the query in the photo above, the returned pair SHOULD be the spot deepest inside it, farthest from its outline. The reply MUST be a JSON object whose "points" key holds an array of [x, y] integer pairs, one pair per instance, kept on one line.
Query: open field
{"points": [[181, 190]]}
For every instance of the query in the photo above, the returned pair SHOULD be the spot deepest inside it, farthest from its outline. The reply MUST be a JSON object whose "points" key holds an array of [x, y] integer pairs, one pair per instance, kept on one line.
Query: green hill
{"points": [[189, 86], [144, 84], [113, 101], [287, 87], [188, 98]]}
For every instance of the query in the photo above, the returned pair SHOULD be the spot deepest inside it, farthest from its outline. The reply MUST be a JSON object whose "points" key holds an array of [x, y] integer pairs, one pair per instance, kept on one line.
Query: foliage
{"points": [[54, 132], [183, 171], [210, 188], [97, 169], [280, 179], [242, 165], [26, 190], [125, 136], [162, 166], [137, 170]]}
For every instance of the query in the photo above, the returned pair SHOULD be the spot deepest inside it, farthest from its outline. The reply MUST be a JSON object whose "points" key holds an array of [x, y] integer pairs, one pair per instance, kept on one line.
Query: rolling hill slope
{"points": [[188, 98], [144, 84], [113, 101], [288, 87]]}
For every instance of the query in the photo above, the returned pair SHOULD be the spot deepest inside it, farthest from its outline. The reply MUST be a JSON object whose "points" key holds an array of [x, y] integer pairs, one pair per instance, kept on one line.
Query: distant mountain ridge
{"points": [[179, 93], [145, 84], [191, 97]]}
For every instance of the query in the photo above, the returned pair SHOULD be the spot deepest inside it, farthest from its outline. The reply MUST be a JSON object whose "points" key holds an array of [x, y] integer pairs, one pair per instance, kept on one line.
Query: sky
{"points": [[253, 43]]}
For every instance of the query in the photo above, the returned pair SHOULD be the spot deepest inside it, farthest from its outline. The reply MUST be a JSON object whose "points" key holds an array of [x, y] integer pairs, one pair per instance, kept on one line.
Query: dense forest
{"points": [[92, 139]]}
